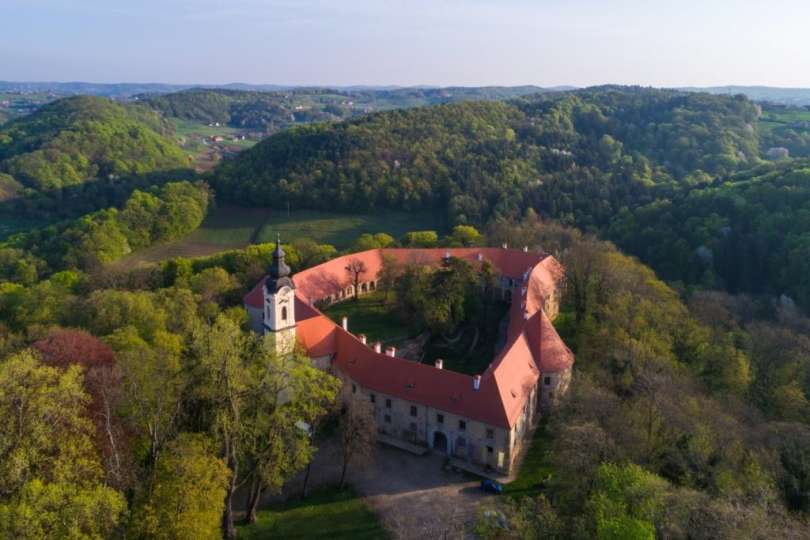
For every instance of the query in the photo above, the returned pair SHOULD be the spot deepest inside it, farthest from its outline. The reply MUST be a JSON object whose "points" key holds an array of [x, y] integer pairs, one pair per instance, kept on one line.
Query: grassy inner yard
{"points": [[371, 316], [329, 513], [470, 353]]}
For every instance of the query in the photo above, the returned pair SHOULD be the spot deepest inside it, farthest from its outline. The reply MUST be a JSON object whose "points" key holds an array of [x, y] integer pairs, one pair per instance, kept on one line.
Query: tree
{"points": [[625, 502], [50, 474], [289, 398], [153, 383], [388, 276], [465, 236], [102, 382], [357, 433], [356, 268], [187, 495], [253, 405], [423, 239]]}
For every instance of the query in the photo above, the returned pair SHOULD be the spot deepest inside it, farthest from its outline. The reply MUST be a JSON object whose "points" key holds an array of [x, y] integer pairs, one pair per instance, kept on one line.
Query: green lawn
{"points": [[341, 230], [369, 315], [330, 513], [536, 468]]}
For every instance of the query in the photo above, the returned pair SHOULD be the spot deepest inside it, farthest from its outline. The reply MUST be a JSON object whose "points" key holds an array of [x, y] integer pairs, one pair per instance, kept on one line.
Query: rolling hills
{"points": [[75, 139]]}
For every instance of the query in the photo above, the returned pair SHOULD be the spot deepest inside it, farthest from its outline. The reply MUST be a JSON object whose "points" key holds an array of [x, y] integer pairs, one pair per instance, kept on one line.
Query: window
{"points": [[490, 433], [413, 410], [284, 313], [354, 388], [387, 418], [551, 395], [462, 425], [373, 398], [387, 403], [413, 427], [440, 419], [547, 381], [489, 450]]}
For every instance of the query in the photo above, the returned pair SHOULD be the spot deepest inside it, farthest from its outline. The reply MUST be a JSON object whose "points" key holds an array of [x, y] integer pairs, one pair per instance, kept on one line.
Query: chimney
{"points": [[525, 249], [362, 338], [378, 347], [344, 322], [439, 363], [390, 351], [504, 245], [477, 382]]}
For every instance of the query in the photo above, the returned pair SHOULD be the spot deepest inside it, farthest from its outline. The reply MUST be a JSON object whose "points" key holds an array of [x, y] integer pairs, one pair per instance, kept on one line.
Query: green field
{"points": [[771, 120], [341, 230], [232, 227], [331, 514]]}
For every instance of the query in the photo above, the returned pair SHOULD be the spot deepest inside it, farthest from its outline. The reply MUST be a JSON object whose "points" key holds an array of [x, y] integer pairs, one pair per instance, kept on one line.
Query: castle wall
{"points": [[457, 436]]}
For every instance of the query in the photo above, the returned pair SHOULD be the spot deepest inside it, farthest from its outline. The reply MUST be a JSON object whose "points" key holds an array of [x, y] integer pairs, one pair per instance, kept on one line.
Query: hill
{"points": [[748, 233], [72, 140], [772, 94], [273, 111], [578, 156]]}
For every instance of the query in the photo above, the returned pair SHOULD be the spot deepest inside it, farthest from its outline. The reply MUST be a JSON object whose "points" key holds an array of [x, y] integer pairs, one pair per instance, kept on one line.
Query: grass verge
{"points": [[536, 468], [328, 513]]}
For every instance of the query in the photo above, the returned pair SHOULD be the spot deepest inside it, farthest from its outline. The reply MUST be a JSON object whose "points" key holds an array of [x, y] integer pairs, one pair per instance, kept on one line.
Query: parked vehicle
{"points": [[491, 486]]}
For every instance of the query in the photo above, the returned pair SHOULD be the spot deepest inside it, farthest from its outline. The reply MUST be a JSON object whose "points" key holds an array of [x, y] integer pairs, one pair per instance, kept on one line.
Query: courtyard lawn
{"points": [[370, 315], [331, 513], [536, 469]]}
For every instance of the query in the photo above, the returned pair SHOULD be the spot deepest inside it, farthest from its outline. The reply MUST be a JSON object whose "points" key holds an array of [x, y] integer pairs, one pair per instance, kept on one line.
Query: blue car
{"points": [[491, 486]]}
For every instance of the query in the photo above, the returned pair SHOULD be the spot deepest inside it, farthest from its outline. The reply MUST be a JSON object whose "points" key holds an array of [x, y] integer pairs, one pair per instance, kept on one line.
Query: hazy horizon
{"points": [[406, 44]]}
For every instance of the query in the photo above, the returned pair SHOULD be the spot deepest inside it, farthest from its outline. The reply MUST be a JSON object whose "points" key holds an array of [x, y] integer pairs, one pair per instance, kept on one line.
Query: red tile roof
{"points": [[532, 346]]}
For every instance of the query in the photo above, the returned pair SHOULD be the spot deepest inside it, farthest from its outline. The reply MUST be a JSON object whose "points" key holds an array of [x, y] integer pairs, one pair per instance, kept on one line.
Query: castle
{"points": [[479, 420]]}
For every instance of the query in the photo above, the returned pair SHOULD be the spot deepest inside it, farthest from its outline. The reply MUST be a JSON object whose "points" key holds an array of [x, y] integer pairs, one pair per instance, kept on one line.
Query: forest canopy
{"points": [[79, 138]]}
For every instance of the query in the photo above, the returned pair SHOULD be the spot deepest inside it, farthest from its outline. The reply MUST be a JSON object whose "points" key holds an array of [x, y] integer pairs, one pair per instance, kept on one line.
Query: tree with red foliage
{"points": [[102, 380]]}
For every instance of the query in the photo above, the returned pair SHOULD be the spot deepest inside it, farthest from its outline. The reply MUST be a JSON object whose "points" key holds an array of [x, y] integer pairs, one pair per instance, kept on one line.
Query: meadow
{"points": [[232, 227]]}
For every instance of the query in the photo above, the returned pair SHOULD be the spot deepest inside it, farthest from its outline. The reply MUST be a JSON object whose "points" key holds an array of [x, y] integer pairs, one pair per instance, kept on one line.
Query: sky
{"points": [[408, 42]]}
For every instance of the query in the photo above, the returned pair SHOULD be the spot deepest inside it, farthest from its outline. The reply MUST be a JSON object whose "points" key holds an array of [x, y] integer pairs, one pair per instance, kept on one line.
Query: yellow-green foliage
{"points": [[50, 473], [188, 494], [74, 139]]}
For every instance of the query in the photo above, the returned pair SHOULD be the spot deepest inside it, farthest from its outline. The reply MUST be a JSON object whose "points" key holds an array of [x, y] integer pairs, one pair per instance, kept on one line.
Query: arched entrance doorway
{"points": [[440, 441]]}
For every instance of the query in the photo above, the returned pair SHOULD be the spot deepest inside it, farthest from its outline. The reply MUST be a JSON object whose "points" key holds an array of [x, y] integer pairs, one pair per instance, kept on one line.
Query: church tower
{"points": [[279, 303]]}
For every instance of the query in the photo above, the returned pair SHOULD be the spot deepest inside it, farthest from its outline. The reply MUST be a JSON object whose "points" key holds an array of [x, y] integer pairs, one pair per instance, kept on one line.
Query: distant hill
{"points": [[578, 156], [272, 111], [75, 139], [784, 96]]}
